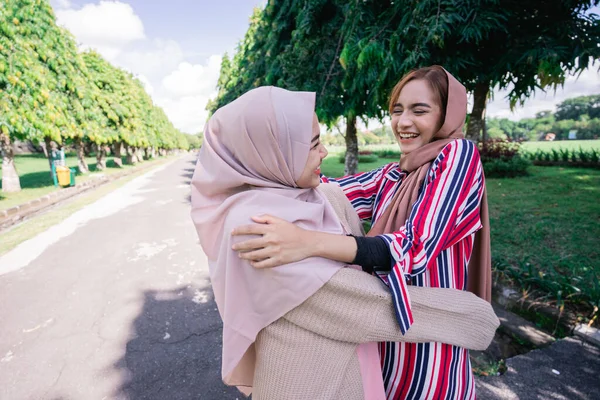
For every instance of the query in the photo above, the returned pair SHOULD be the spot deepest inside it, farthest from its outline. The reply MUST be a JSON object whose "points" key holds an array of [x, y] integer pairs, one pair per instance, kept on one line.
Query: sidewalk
{"points": [[569, 369], [18, 213]]}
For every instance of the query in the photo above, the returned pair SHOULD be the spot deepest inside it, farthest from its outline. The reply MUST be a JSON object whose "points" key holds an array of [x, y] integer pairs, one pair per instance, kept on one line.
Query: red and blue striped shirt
{"points": [[432, 249]]}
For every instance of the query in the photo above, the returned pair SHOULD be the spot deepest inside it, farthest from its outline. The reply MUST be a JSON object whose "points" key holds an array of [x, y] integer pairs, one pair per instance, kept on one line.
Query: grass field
{"points": [[545, 229], [528, 146], [562, 144]]}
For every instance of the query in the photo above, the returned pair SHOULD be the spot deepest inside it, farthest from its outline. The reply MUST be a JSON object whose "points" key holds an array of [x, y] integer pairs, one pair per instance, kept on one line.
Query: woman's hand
{"points": [[280, 242]]}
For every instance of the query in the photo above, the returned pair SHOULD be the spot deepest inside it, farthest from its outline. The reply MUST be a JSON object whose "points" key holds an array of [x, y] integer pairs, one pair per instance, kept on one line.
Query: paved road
{"points": [[567, 370], [113, 303]]}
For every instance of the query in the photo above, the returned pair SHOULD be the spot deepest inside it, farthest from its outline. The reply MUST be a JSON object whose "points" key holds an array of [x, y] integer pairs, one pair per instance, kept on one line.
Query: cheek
{"points": [[429, 127]]}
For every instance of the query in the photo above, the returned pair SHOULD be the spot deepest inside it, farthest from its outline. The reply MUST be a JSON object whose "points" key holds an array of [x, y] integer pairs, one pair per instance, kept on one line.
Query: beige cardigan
{"points": [[310, 353]]}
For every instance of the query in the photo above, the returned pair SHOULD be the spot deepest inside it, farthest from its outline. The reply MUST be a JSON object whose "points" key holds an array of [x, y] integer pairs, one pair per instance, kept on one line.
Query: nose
{"points": [[404, 122], [324, 151]]}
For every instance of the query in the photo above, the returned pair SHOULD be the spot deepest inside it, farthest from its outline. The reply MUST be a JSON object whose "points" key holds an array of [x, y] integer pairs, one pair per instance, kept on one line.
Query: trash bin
{"points": [[64, 175], [73, 173]]}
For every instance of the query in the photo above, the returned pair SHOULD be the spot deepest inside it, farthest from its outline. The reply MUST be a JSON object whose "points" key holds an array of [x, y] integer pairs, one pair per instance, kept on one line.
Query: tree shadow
{"points": [[175, 350]]}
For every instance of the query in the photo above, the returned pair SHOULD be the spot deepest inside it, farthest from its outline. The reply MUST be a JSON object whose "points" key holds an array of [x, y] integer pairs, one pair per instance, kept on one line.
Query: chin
{"points": [[407, 148]]}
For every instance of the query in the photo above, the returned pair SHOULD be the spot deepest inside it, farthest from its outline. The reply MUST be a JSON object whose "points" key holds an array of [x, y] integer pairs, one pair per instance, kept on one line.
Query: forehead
{"points": [[416, 91]]}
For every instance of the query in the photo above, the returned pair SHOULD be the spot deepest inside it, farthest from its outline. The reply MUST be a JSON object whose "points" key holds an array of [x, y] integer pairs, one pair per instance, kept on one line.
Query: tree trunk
{"points": [[10, 177], [480, 97], [351, 146], [81, 164], [131, 155], [44, 149], [117, 154], [140, 154], [485, 133], [100, 158], [49, 149]]}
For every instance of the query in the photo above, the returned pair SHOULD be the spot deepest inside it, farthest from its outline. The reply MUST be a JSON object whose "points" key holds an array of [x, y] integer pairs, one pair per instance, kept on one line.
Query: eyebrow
{"points": [[315, 138], [414, 105]]}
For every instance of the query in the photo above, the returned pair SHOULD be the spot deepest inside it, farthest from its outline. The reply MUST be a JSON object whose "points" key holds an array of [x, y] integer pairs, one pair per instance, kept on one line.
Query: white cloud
{"points": [[187, 113], [587, 83], [162, 57], [108, 26], [192, 80], [185, 91], [147, 85], [62, 3]]}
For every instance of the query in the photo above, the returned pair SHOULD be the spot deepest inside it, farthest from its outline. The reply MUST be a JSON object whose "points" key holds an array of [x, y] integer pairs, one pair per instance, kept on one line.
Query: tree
{"points": [[51, 93], [299, 45], [575, 107], [517, 45]]}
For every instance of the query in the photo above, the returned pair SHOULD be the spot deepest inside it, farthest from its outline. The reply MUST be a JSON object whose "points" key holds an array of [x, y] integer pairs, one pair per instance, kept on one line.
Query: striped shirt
{"points": [[432, 249]]}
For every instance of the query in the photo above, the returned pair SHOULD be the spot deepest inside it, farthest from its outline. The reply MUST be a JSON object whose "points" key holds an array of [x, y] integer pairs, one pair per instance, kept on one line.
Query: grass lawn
{"points": [[34, 173], [527, 146], [545, 229], [562, 144]]}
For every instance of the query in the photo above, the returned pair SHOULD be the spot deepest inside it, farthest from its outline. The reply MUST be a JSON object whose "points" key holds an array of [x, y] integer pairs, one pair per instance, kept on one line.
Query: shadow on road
{"points": [[175, 349]]}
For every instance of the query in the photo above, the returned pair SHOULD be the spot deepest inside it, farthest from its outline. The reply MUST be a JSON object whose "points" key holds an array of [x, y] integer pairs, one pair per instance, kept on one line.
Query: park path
{"points": [[114, 302]]}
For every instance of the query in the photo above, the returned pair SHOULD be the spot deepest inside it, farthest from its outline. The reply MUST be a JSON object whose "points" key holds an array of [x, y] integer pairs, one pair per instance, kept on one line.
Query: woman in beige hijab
{"points": [[306, 330]]}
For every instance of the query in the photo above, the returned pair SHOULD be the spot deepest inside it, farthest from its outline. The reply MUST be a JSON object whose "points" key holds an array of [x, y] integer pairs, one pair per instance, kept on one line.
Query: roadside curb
{"points": [[18, 213], [509, 299]]}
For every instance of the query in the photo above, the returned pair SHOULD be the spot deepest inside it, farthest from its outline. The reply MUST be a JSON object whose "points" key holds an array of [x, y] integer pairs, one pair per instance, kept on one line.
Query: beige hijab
{"points": [[417, 163], [254, 150]]}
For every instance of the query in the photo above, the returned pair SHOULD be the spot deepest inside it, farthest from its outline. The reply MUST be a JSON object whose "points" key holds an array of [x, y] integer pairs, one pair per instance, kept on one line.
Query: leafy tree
{"points": [[575, 107]]}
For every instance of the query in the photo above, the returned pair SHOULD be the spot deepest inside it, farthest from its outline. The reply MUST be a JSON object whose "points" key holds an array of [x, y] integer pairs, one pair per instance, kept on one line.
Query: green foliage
{"points": [[502, 159], [566, 157], [578, 113], [49, 90], [499, 168], [575, 108], [352, 53]]}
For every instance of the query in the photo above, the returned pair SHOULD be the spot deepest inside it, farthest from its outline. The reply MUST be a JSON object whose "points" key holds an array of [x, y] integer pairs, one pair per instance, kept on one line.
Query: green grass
{"points": [[34, 173], [545, 229], [562, 144], [334, 168], [528, 146]]}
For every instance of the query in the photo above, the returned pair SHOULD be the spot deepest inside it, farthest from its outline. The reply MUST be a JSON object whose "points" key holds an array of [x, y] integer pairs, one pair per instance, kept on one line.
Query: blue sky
{"points": [[175, 47]]}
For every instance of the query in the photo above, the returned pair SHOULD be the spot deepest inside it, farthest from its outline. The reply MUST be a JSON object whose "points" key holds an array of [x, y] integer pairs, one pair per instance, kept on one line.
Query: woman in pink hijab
{"points": [[308, 329]]}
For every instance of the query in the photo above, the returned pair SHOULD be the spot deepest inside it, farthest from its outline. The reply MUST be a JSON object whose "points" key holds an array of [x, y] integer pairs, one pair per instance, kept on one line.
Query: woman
{"points": [[293, 331], [430, 229]]}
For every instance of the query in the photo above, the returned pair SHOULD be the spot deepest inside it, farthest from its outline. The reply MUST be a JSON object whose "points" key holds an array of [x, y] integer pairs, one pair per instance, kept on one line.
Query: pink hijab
{"points": [[254, 150]]}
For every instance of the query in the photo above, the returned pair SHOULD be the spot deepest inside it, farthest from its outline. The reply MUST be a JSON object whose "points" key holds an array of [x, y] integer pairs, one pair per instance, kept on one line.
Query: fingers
{"points": [[268, 263], [253, 229], [266, 219], [258, 255], [250, 245]]}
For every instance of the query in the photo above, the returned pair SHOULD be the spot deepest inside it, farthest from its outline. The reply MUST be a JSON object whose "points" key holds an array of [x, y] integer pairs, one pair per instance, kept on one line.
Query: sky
{"points": [[175, 48]]}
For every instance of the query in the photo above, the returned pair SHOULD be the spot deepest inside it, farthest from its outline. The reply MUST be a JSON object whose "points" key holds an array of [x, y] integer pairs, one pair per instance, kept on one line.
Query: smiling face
{"points": [[416, 115], [311, 175]]}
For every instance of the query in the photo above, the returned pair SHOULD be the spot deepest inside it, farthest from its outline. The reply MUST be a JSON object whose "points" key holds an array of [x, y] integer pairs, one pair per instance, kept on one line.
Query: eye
{"points": [[419, 112], [397, 111], [316, 145]]}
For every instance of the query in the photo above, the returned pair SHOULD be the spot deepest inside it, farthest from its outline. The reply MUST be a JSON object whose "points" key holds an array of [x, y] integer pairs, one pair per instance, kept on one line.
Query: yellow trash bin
{"points": [[64, 175]]}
